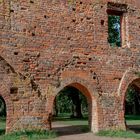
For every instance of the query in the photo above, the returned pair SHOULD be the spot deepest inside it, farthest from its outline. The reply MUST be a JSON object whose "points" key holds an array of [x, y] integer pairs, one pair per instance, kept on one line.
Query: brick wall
{"points": [[47, 45]]}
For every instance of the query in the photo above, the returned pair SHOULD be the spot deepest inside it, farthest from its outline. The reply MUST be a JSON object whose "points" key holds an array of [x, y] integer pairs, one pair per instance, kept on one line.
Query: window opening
{"points": [[114, 30], [115, 13]]}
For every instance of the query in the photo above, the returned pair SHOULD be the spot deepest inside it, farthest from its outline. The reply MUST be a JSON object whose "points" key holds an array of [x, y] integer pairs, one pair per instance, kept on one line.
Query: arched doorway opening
{"points": [[70, 102], [75, 116], [132, 106], [2, 116]]}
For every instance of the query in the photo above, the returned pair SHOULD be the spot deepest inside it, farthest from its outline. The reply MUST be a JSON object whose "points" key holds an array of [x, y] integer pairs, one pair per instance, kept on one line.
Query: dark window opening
{"points": [[115, 22], [114, 30]]}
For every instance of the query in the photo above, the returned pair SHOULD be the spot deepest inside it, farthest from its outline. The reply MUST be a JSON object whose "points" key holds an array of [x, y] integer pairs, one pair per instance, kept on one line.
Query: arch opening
{"points": [[72, 111], [132, 106], [3, 115]]}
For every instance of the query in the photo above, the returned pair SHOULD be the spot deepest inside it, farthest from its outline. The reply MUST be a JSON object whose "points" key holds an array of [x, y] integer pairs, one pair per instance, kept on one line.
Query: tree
{"points": [[2, 107], [70, 100], [114, 25], [74, 94], [132, 101]]}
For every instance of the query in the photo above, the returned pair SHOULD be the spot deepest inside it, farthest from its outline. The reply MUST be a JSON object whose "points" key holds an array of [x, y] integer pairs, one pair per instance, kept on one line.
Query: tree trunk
{"points": [[77, 103], [134, 108], [78, 110]]}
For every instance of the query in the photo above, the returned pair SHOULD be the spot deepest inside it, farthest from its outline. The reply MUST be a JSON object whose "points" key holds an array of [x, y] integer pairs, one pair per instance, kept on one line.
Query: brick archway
{"points": [[128, 78], [5, 94], [86, 90]]}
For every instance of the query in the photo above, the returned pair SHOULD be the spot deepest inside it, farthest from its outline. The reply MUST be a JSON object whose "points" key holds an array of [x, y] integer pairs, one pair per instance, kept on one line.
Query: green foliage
{"points": [[64, 101], [119, 133], [29, 135], [130, 96], [2, 107], [133, 118], [132, 101], [114, 30]]}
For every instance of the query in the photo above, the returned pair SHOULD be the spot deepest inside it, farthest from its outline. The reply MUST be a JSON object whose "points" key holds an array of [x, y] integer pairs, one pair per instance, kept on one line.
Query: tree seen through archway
{"points": [[2, 116], [71, 101], [71, 109], [132, 108]]}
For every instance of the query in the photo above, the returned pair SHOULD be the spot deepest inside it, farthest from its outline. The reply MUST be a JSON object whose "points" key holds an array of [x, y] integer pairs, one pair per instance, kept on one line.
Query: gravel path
{"points": [[66, 132]]}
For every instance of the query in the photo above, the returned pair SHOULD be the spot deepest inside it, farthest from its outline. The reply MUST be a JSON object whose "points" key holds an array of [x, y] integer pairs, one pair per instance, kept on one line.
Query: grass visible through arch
{"points": [[132, 119], [65, 119], [2, 126]]}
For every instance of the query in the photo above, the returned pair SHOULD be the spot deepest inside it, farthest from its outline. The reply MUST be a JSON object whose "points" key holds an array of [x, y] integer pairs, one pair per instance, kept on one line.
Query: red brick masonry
{"points": [[49, 44]]}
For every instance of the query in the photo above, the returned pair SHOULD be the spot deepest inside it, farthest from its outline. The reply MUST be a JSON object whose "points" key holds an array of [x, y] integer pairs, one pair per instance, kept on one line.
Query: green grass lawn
{"points": [[2, 126], [29, 135], [131, 120], [64, 119], [69, 121], [119, 134]]}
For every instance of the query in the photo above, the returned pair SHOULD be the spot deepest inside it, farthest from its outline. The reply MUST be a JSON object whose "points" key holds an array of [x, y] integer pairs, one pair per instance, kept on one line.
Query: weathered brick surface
{"points": [[49, 44]]}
